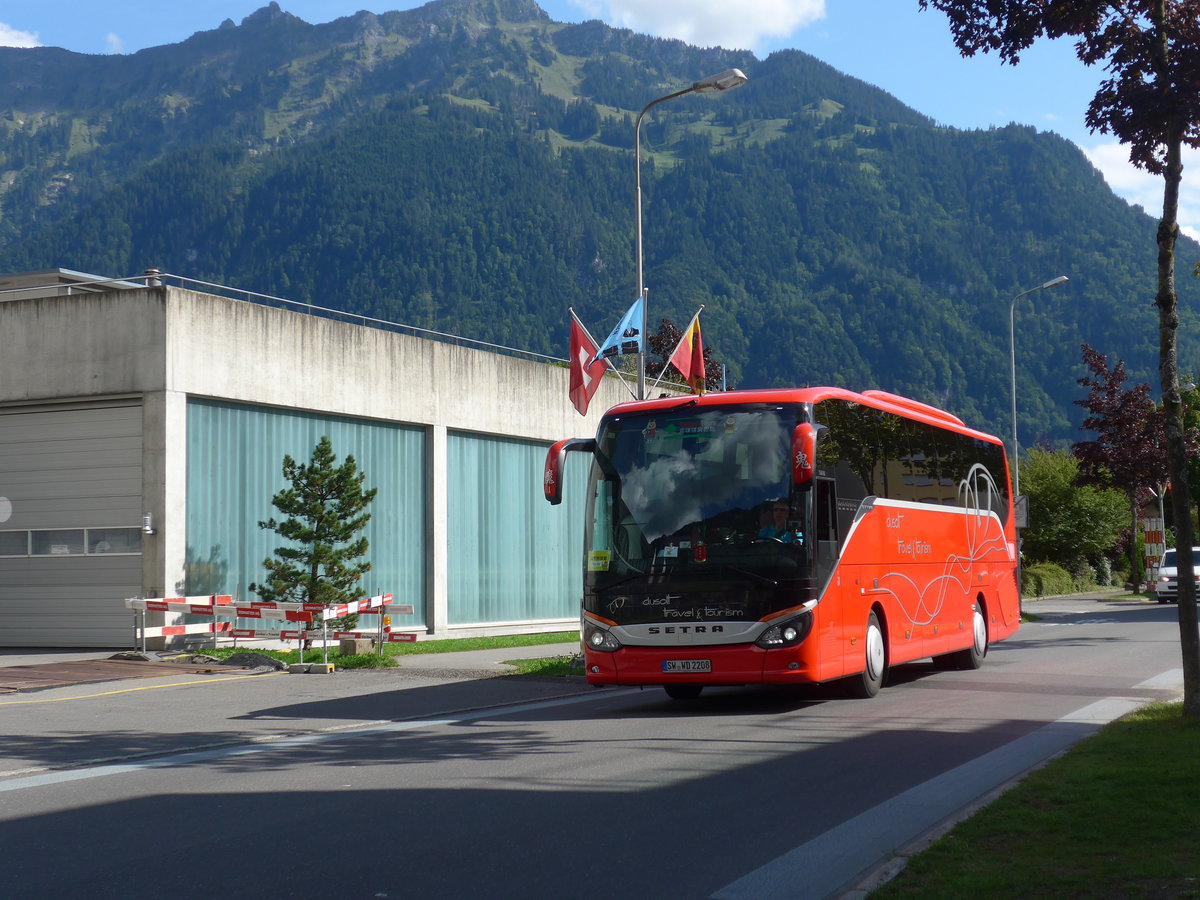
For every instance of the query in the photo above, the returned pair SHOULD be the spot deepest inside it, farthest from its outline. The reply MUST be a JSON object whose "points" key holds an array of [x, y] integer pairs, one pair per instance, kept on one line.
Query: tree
{"points": [[1068, 521], [1129, 451], [663, 343], [325, 508], [1150, 102]]}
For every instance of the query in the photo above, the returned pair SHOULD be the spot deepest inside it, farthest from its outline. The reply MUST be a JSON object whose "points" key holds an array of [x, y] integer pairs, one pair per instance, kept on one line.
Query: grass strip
{"points": [[548, 666], [1116, 816], [458, 645]]}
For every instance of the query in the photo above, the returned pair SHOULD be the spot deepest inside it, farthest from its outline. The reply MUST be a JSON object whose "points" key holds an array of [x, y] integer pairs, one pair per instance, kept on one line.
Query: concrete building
{"points": [[143, 425]]}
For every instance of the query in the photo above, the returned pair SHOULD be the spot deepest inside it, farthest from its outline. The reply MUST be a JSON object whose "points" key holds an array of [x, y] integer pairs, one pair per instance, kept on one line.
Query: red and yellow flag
{"points": [[688, 357]]}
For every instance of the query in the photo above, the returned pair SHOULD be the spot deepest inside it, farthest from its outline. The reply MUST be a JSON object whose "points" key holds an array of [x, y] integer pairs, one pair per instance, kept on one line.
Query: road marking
{"points": [[833, 861], [147, 687], [1170, 680], [194, 755], [1069, 624]]}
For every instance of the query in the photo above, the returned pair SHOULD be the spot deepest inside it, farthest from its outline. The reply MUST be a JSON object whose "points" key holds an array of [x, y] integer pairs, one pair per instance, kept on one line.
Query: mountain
{"points": [[466, 166]]}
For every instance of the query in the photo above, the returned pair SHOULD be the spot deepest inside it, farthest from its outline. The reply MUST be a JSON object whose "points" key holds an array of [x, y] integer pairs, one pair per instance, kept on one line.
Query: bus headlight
{"points": [[600, 639], [787, 633]]}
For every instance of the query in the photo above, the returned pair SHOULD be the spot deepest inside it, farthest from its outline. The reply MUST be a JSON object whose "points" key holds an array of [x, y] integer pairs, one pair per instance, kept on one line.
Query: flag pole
{"points": [[682, 338]]}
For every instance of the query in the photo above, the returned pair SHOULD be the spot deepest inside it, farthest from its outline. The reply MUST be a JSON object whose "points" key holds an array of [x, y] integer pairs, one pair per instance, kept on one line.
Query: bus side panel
{"points": [[829, 629], [923, 566]]}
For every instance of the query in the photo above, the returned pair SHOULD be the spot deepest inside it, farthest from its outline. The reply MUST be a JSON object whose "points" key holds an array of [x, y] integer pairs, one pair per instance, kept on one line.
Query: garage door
{"points": [[70, 516]]}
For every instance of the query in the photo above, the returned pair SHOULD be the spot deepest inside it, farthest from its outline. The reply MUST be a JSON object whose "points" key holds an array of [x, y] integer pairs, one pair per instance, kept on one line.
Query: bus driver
{"points": [[776, 526]]}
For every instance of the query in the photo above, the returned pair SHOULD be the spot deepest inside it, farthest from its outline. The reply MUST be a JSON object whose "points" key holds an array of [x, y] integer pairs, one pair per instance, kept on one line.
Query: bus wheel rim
{"points": [[875, 654]]}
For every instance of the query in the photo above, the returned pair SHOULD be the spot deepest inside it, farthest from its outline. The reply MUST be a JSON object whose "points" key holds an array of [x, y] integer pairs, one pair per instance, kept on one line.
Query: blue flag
{"points": [[626, 338]]}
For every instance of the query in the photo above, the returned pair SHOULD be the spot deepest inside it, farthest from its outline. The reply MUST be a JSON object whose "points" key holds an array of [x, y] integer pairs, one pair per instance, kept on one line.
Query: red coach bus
{"points": [[790, 536]]}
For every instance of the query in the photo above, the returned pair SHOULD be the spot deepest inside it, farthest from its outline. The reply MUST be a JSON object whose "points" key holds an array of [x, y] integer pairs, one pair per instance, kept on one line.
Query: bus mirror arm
{"points": [[556, 458]]}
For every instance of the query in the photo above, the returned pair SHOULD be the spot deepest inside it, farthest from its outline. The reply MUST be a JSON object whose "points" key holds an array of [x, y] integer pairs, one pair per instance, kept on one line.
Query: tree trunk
{"points": [[1133, 544], [1168, 325]]}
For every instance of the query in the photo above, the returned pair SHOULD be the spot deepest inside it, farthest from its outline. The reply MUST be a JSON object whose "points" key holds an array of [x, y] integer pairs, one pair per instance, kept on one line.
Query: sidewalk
{"points": [[23, 669], [486, 661]]}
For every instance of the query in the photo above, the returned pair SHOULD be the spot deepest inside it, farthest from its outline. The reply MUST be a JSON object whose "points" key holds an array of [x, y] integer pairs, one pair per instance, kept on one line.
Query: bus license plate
{"points": [[687, 665]]}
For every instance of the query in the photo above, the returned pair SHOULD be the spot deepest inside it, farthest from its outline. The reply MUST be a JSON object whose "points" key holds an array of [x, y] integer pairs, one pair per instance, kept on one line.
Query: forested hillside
{"points": [[467, 166]]}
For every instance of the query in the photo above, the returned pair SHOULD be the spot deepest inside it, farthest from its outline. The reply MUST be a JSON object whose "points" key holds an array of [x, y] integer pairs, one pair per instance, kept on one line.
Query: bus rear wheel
{"points": [[683, 691], [972, 657], [867, 683]]}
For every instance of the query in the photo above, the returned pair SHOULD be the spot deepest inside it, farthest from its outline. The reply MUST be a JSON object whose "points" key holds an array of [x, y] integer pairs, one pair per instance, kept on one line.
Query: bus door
{"points": [[825, 550], [825, 518]]}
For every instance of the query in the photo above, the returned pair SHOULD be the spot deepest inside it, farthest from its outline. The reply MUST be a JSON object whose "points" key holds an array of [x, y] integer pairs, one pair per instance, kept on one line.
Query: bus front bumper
{"points": [[719, 664]]}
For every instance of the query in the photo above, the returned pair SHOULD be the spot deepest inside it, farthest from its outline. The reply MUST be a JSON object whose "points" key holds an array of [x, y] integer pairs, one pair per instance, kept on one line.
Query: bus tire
{"points": [[868, 682], [972, 657], [683, 691]]}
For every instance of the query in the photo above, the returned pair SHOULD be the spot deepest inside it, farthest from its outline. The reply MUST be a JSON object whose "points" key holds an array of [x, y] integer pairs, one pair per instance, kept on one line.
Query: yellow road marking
{"points": [[148, 687]]}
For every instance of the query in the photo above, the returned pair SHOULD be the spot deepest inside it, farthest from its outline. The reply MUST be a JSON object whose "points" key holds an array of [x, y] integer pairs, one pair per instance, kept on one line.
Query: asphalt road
{"points": [[372, 785]]}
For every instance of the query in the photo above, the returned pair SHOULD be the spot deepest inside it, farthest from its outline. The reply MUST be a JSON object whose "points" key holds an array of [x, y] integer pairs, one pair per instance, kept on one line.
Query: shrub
{"points": [[1045, 579], [1120, 571]]}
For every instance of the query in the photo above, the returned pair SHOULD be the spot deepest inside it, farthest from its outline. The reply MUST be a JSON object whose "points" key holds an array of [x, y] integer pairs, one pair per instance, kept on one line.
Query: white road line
{"points": [[1170, 680]]}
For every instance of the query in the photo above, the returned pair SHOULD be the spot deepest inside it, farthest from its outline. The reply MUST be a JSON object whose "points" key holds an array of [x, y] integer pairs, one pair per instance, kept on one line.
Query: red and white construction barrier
{"points": [[346, 609], [258, 634], [389, 637], [230, 610], [223, 605], [223, 628]]}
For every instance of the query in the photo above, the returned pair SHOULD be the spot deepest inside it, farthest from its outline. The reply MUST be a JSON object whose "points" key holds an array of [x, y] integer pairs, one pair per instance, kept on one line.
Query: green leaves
{"points": [[1068, 522], [325, 508]]}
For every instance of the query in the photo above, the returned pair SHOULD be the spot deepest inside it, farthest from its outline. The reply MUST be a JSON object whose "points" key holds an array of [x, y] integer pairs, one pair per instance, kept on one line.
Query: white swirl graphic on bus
{"points": [[978, 498]]}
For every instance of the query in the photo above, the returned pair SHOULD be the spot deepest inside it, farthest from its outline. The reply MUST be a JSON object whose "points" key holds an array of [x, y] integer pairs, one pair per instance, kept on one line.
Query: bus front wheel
{"points": [[868, 682]]}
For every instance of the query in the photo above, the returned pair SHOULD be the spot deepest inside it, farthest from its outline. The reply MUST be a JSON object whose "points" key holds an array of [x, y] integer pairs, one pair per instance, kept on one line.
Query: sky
{"points": [[888, 43]]}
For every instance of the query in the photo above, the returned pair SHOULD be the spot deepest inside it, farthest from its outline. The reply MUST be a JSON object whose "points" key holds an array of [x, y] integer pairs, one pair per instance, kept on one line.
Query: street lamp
{"points": [[725, 81], [1012, 344]]}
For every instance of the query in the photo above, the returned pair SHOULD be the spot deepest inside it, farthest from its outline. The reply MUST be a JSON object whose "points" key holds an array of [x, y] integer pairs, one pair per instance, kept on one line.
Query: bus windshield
{"points": [[696, 492]]}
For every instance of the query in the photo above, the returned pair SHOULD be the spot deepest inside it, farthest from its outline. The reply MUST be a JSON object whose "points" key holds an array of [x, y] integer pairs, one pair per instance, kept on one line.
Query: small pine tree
{"points": [[325, 508]]}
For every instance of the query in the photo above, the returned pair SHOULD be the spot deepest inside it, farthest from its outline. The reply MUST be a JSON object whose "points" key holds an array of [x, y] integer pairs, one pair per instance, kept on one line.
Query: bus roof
{"points": [[881, 400]]}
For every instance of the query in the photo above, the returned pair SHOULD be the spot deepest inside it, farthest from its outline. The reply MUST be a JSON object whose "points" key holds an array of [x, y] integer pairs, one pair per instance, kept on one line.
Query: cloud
{"points": [[709, 23], [10, 37], [114, 42], [1145, 190]]}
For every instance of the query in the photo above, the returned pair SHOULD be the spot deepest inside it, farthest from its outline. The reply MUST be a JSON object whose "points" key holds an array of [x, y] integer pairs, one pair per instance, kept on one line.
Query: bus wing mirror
{"points": [[556, 458], [804, 452]]}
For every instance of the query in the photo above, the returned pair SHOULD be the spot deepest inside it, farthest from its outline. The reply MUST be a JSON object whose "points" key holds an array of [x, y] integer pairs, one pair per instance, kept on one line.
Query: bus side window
{"points": [[827, 529]]}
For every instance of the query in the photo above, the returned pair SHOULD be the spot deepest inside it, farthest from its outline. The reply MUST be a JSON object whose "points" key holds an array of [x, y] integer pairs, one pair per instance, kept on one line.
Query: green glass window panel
{"points": [[512, 556], [235, 466]]}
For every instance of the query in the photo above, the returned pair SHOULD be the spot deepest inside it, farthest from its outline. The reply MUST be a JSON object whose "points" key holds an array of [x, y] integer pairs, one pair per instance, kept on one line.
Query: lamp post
{"points": [[1012, 344], [725, 81]]}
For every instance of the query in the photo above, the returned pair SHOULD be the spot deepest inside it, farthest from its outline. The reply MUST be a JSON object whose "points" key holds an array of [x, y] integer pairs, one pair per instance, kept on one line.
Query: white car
{"points": [[1166, 582]]}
